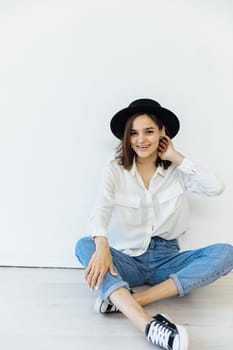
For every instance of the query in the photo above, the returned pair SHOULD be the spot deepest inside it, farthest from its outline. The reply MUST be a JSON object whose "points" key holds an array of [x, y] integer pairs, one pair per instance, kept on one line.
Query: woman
{"points": [[140, 212]]}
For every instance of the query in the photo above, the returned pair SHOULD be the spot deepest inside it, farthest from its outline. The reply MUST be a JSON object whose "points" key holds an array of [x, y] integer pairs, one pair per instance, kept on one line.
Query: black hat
{"points": [[144, 105]]}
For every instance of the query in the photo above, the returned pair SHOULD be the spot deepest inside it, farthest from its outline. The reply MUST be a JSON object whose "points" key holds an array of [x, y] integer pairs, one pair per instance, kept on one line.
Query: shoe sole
{"points": [[97, 306], [183, 334], [184, 339]]}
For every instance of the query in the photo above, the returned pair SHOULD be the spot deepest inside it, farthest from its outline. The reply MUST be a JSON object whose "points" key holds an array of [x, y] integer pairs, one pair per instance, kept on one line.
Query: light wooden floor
{"points": [[46, 309]]}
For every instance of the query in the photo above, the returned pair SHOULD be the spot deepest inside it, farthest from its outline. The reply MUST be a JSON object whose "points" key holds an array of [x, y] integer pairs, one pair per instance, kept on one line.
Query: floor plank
{"points": [[50, 309]]}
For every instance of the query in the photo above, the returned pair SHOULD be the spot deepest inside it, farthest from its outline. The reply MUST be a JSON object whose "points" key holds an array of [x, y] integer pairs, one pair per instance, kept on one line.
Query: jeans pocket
{"points": [[173, 244]]}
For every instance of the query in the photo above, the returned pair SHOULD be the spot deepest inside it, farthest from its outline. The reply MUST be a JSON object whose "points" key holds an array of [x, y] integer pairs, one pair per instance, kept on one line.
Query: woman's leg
{"points": [[128, 274], [118, 294], [202, 266], [182, 272], [161, 291], [158, 330], [131, 308]]}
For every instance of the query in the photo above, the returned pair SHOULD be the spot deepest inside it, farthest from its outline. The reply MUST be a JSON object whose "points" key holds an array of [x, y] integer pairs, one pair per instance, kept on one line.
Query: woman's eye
{"points": [[149, 132], [133, 133]]}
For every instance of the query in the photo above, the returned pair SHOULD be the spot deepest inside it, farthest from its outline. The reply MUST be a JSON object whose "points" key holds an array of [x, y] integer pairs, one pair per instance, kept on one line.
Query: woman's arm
{"points": [[167, 151], [195, 177], [102, 210], [100, 263]]}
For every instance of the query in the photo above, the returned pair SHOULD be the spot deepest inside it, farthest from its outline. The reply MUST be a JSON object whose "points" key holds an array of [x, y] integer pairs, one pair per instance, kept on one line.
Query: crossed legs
{"points": [[131, 304], [169, 272]]}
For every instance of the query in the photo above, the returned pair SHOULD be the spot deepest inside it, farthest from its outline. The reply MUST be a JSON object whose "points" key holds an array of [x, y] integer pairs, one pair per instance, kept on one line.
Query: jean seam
{"points": [[178, 284], [212, 277]]}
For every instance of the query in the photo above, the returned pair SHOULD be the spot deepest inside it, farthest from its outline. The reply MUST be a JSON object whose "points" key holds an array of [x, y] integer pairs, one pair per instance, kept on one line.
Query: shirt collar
{"points": [[161, 171], [133, 170]]}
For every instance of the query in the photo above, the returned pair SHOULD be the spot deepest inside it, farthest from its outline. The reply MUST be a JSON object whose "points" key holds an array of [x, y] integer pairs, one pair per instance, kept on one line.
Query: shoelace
{"points": [[159, 335]]}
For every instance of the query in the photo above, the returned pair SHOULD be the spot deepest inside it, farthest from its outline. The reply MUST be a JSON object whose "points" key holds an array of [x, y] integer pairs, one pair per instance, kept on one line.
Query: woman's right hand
{"points": [[100, 263]]}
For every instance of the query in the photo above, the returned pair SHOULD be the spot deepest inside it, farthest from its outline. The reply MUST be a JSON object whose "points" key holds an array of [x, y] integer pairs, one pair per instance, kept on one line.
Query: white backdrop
{"points": [[66, 67]]}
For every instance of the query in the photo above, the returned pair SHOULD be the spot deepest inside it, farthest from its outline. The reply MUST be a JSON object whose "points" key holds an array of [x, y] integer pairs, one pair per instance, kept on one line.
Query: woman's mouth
{"points": [[143, 147]]}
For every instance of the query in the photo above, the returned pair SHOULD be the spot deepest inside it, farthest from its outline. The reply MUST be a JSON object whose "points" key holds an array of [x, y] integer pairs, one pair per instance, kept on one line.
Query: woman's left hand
{"points": [[167, 151]]}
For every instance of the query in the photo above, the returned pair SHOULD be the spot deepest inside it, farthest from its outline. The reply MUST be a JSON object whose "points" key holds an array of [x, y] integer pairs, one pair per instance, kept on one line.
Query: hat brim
{"points": [[168, 118]]}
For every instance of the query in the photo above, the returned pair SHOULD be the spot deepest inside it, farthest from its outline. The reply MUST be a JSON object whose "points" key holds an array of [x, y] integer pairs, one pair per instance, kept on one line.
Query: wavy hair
{"points": [[125, 154]]}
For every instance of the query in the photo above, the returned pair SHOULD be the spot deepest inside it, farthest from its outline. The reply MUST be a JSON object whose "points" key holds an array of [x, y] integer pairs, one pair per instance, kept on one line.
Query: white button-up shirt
{"points": [[129, 214]]}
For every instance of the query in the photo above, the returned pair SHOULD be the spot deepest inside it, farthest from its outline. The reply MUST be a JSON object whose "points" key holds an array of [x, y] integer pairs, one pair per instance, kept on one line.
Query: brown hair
{"points": [[125, 154]]}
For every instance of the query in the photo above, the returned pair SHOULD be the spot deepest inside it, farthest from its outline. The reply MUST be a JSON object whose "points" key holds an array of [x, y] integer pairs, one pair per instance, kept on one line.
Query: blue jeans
{"points": [[162, 260]]}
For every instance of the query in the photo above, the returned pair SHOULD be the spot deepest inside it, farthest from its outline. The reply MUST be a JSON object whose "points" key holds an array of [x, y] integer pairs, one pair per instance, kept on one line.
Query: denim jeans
{"points": [[162, 260]]}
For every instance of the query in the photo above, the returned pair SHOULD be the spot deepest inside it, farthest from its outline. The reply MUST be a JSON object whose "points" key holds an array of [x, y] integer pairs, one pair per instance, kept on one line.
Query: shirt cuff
{"points": [[99, 234]]}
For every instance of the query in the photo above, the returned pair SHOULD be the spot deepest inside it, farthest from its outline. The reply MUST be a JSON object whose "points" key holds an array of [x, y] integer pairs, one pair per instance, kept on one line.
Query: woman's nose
{"points": [[140, 137]]}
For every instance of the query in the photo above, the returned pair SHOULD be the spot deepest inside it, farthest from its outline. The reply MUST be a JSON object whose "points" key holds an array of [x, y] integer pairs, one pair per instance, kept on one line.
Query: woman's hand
{"points": [[167, 151], [100, 263]]}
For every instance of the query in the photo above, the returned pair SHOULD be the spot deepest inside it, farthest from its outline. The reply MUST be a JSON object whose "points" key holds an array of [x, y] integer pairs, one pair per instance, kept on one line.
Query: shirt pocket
{"points": [[170, 199], [128, 209]]}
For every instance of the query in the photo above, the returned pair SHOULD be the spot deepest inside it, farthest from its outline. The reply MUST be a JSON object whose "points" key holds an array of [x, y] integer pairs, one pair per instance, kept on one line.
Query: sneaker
{"points": [[162, 332], [104, 307]]}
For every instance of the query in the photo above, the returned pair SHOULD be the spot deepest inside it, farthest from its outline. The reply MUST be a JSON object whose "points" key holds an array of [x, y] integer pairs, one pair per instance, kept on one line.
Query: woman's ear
{"points": [[162, 131]]}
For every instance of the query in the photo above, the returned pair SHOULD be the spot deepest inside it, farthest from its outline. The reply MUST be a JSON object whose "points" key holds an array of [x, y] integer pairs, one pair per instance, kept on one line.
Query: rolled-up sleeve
{"points": [[102, 211], [197, 179]]}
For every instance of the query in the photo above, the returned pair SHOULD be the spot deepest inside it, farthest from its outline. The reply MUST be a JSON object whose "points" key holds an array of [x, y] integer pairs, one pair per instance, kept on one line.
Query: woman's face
{"points": [[144, 137]]}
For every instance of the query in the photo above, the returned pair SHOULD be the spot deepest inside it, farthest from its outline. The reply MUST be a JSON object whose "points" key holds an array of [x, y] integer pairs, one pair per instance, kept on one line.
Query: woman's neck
{"points": [[148, 163], [146, 170]]}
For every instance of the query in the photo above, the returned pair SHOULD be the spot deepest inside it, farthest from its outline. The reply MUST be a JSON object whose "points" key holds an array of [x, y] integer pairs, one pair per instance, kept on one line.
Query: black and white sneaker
{"points": [[162, 332], [104, 307]]}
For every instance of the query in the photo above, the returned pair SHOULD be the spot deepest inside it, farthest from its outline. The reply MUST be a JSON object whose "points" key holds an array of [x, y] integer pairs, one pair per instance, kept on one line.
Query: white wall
{"points": [[66, 66]]}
